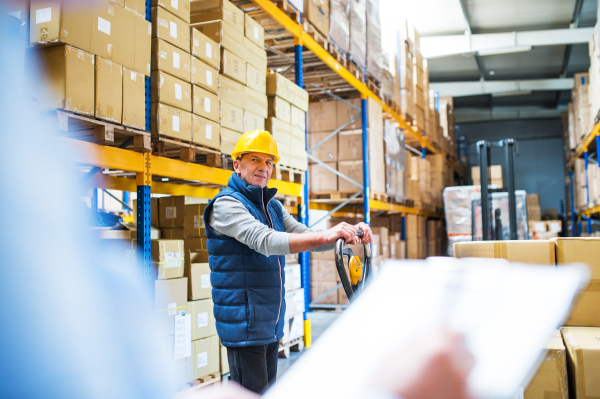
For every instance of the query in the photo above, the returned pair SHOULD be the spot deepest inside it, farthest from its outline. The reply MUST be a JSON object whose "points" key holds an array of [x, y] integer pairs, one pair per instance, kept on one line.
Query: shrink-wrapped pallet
{"points": [[358, 32], [339, 24]]}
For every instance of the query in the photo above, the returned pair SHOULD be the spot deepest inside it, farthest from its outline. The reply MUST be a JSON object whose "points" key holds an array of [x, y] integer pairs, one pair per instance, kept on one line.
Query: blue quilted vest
{"points": [[248, 288]]}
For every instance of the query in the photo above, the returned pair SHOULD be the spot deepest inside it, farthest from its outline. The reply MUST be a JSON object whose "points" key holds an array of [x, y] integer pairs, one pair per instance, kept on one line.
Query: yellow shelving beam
{"points": [[595, 132]]}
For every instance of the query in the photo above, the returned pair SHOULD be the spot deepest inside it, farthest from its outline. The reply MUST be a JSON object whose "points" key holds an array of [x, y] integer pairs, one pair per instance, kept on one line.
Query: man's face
{"points": [[254, 168]]}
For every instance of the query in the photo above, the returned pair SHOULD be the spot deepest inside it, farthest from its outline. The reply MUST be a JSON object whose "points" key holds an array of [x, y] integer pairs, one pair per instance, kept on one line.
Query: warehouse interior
{"points": [[292, 198]]}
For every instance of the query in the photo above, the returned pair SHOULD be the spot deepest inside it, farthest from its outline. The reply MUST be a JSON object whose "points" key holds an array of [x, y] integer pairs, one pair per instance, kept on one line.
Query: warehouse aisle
{"points": [[319, 323]]}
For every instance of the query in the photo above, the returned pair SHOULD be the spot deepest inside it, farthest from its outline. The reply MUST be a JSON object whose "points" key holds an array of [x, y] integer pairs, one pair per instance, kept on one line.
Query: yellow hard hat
{"points": [[256, 140]]}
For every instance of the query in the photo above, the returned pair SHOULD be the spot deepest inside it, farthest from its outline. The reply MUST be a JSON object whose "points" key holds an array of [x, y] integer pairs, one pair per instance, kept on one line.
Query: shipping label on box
{"points": [[255, 102], [205, 48], [109, 90], [205, 103], [256, 79], [171, 59], [171, 91], [193, 220], [254, 31], [204, 75], [170, 28], [202, 11], [171, 122], [206, 132], [232, 117], [233, 66]]}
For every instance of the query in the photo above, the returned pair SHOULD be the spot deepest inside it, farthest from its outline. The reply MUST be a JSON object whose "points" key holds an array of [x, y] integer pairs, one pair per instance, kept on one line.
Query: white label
{"points": [[173, 255], [103, 25], [198, 218], [202, 359], [175, 4], [178, 91], [173, 29], [206, 104], [133, 76], [256, 33], [209, 132], [209, 50], [176, 60], [393, 250], [171, 211], [172, 309], [195, 221], [202, 319], [183, 336], [209, 78], [175, 126], [43, 15], [205, 281]]}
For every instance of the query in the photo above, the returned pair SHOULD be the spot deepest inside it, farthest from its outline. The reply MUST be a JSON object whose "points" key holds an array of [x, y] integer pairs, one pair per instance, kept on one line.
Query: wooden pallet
{"points": [[378, 196], [332, 195], [315, 34], [287, 200], [338, 55], [374, 86], [185, 151], [289, 10], [90, 129], [211, 379], [290, 175], [355, 70], [295, 345]]}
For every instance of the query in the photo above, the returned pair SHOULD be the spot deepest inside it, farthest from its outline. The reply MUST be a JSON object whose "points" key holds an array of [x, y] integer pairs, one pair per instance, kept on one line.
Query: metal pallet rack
{"points": [[302, 40], [582, 150]]}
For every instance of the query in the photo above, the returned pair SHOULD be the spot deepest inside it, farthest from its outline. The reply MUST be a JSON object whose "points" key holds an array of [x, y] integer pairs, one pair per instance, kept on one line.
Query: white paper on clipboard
{"points": [[492, 299]]}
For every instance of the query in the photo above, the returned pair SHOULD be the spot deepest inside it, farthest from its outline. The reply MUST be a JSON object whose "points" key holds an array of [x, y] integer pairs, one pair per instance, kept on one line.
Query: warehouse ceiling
{"points": [[449, 19]]}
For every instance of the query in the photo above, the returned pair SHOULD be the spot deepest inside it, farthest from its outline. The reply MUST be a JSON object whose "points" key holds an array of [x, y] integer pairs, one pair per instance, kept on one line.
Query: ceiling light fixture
{"points": [[504, 50]]}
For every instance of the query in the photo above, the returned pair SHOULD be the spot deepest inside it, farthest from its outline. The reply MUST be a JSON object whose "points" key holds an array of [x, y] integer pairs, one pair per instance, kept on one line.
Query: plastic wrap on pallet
{"points": [[358, 32], [339, 24], [395, 159], [374, 53], [457, 206], [500, 201]]}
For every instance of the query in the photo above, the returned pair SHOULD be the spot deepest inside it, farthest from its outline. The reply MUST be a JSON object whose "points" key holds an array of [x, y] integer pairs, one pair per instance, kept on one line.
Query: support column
{"points": [[365, 157], [587, 188], [144, 184], [573, 222]]}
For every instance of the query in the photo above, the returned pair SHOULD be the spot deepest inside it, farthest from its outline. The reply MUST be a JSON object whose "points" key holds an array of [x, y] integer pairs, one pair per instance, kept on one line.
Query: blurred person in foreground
{"points": [[77, 321]]}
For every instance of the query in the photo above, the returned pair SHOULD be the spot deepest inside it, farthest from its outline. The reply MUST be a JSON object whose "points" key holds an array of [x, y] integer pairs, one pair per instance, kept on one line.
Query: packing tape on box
{"points": [[562, 390], [109, 50], [111, 7], [162, 22], [166, 310], [162, 263]]}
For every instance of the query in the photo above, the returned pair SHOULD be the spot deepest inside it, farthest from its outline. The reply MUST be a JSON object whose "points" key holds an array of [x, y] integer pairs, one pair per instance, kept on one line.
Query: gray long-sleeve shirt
{"points": [[231, 218]]}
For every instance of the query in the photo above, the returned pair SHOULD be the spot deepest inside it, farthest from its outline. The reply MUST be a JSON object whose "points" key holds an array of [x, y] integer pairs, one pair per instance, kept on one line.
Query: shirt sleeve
{"points": [[291, 225]]}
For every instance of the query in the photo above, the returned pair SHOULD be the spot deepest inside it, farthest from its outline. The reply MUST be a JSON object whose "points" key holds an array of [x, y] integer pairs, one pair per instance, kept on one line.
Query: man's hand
{"points": [[342, 230], [435, 366], [367, 233]]}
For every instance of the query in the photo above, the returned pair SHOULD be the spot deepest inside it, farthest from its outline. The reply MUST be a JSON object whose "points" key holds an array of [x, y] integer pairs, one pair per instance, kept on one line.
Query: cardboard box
{"points": [[171, 122], [171, 59], [345, 112], [193, 220], [134, 99], [382, 232], [232, 117], [205, 358], [320, 116], [195, 244], [254, 55], [224, 361], [353, 170], [350, 145], [108, 90], [171, 91], [586, 311], [171, 234], [231, 92], [317, 12], [293, 276], [280, 109], [255, 102], [138, 7], [205, 48], [229, 139], [326, 152], [280, 86], [171, 210], [321, 287], [254, 31], [253, 121], [205, 103], [203, 318], [233, 66], [280, 130], [124, 32], [64, 79], [294, 303], [300, 98], [104, 40], [167, 258], [217, 9], [256, 79], [196, 256], [324, 269], [170, 299], [170, 28], [583, 361], [52, 22], [143, 44], [298, 119], [204, 75], [550, 380], [224, 34], [206, 132], [321, 180], [199, 277], [180, 8], [539, 252], [555, 226]]}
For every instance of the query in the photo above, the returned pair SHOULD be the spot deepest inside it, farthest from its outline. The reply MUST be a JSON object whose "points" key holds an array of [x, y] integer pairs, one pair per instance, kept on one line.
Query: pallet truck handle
{"points": [[350, 289]]}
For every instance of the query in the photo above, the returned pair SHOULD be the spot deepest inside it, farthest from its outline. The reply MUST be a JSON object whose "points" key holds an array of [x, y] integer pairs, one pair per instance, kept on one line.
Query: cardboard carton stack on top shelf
{"points": [[339, 25], [97, 69], [404, 65], [583, 108], [358, 32], [316, 12], [343, 151], [395, 158], [374, 51]]}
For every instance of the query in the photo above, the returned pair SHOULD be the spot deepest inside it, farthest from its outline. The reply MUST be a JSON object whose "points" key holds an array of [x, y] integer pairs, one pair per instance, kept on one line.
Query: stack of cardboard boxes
{"points": [[358, 32], [446, 111], [288, 104], [395, 158], [534, 211], [339, 25], [99, 67], [586, 185], [374, 53], [343, 151], [293, 327], [494, 175], [581, 330], [404, 65], [581, 109]]}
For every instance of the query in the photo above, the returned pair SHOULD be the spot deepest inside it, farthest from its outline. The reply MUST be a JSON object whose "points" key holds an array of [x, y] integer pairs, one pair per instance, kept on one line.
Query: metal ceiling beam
{"points": [[466, 115], [462, 89], [499, 43]]}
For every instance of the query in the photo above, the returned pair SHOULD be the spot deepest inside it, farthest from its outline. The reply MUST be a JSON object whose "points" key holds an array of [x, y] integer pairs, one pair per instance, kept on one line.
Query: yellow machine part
{"points": [[356, 270]]}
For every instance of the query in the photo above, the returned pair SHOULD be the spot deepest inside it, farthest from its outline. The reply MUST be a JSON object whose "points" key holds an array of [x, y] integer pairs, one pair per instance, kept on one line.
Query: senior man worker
{"points": [[249, 233]]}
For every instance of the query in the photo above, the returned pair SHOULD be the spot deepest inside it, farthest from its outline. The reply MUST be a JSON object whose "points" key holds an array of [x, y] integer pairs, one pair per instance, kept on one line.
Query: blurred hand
{"points": [[435, 366], [342, 230], [367, 233]]}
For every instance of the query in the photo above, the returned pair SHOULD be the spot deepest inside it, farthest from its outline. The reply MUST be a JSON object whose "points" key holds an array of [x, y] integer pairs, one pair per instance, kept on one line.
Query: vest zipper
{"points": [[265, 210]]}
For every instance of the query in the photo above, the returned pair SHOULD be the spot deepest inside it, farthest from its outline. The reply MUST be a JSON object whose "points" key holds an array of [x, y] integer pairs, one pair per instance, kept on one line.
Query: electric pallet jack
{"points": [[359, 274]]}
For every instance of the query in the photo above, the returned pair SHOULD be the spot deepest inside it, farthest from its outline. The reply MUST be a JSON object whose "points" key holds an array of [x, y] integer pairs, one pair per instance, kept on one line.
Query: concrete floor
{"points": [[319, 321]]}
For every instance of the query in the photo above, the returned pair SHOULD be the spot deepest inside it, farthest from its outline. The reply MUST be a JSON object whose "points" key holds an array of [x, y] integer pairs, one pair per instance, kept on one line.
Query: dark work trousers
{"points": [[254, 367]]}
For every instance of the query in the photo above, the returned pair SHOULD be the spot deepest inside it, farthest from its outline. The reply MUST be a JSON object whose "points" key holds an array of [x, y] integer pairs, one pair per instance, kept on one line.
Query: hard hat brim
{"points": [[236, 154]]}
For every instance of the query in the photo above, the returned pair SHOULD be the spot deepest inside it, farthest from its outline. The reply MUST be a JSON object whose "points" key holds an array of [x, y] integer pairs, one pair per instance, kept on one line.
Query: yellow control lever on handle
{"points": [[356, 270]]}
